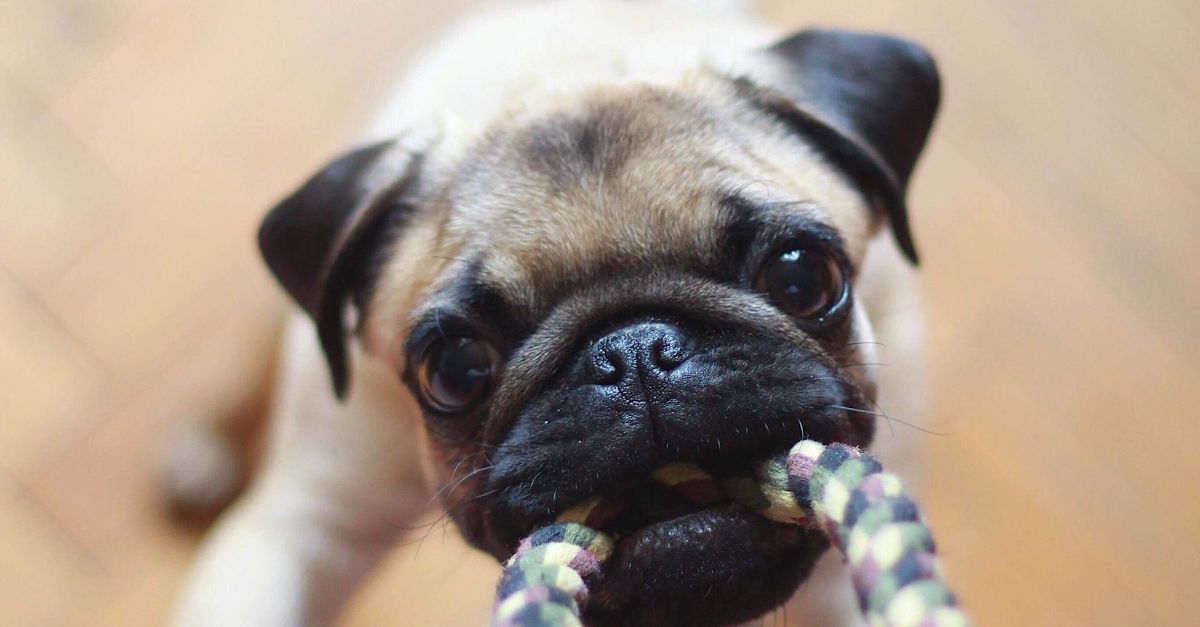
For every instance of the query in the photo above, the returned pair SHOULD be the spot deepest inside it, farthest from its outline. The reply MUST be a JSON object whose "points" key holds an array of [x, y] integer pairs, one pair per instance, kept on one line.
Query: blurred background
{"points": [[1058, 212]]}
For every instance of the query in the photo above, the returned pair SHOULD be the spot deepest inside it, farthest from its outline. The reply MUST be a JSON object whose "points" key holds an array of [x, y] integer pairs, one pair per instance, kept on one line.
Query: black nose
{"points": [[645, 348]]}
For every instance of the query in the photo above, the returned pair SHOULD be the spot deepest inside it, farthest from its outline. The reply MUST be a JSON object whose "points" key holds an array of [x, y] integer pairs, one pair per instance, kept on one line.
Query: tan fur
{"points": [[547, 222]]}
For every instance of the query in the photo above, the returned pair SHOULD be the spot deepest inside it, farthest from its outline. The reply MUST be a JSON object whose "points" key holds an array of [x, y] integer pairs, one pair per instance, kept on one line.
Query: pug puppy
{"points": [[596, 238]]}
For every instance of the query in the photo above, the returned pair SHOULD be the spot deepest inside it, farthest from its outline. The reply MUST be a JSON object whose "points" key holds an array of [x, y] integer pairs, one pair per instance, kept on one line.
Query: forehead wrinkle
{"points": [[652, 213], [558, 255], [561, 214], [567, 146]]}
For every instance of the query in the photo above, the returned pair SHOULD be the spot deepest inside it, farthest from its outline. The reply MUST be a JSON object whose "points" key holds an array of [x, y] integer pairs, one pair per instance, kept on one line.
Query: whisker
{"points": [[445, 518], [920, 428], [862, 343], [452, 474], [463, 480], [883, 415], [891, 429]]}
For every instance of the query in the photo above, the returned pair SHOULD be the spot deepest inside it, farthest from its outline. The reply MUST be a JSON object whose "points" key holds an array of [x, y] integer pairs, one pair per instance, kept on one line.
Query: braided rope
{"points": [[838, 489]]}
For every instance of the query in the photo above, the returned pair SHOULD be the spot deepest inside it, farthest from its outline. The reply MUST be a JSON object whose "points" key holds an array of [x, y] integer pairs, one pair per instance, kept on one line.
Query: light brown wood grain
{"points": [[1056, 210]]}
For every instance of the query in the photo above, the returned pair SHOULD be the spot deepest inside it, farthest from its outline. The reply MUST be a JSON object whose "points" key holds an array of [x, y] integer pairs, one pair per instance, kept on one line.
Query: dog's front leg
{"points": [[339, 484]]}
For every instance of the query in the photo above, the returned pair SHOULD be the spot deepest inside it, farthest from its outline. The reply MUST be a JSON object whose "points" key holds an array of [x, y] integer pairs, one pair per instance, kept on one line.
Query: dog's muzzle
{"points": [[641, 394]]}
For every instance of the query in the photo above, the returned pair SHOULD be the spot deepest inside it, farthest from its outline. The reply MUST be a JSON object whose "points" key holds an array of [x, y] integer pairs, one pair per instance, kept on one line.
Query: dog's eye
{"points": [[456, 373], [805, 282]]}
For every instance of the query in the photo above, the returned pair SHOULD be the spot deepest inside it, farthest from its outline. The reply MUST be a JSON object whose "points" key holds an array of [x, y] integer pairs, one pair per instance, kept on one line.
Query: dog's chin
{"points": [[716, 566]]}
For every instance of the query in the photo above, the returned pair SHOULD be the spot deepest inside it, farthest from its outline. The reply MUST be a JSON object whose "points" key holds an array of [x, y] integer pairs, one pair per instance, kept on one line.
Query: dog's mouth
{"points": [[686, 553], [720, 565]]}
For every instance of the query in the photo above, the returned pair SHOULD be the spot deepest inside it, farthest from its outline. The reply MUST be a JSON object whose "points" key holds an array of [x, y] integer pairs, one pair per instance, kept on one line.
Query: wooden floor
{"points": [[1058, 211]]}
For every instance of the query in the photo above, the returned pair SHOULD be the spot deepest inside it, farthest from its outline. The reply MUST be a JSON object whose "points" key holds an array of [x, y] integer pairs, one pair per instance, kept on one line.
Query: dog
{"points": [[585, 240]]}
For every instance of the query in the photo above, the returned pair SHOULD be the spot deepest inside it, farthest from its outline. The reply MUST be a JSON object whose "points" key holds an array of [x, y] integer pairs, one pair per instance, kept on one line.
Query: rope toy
{"points": [[838, 489]]}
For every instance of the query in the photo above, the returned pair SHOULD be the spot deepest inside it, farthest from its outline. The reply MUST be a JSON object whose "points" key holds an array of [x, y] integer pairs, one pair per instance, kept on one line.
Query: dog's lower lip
{"points": [[690, 529], [723, 564]]}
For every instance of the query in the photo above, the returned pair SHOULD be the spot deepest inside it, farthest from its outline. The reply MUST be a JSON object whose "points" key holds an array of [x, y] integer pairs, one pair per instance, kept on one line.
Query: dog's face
{"points": [[624, 278]]}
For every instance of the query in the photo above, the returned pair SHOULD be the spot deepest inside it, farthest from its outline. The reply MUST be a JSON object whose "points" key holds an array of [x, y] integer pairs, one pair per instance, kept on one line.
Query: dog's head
{"points": [[624, 277]]}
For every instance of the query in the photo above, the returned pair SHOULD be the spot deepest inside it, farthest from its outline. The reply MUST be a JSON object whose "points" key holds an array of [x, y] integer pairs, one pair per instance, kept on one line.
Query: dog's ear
{"points": [[867, 102], [321, 242]]}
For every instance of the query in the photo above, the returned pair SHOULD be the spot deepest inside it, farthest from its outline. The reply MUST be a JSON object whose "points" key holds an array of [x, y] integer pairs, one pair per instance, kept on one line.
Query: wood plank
{"points": [[48, 44], [57, 199], [45, 572], [51, 388]]}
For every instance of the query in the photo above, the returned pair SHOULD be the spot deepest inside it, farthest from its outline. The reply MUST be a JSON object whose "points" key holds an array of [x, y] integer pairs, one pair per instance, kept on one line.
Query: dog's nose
{"points": [[645, 348]]}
